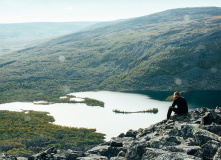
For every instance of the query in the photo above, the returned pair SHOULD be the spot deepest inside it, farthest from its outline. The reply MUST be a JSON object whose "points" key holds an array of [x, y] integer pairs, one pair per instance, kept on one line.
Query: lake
{"points": [[108, 122]]}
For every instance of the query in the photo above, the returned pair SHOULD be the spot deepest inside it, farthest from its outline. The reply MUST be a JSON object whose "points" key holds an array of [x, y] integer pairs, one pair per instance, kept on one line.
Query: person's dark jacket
{"points": [[181, 105]]}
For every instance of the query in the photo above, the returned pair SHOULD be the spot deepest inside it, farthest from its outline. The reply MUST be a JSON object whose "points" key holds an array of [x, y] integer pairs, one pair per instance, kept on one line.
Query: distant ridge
{"points": [[19, 35]]}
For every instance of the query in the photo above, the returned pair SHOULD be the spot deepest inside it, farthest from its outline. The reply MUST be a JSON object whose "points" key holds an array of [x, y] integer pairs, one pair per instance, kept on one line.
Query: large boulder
{"points": [[93, 157], [44, 155], [203, 136], [187, 130], [208, 150], [118, 158], [217, 156], [118, 142], [131, 133], [158, 154], [135, 151], [105, 150], [214, 128]]}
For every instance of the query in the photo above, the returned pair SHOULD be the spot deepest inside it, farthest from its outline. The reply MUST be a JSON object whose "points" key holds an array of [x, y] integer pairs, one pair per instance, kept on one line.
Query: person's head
{"points": [[175, 95]]}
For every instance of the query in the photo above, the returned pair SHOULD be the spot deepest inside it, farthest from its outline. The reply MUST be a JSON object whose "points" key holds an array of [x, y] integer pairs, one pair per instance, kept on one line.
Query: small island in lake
{"points": [[153, 110]]}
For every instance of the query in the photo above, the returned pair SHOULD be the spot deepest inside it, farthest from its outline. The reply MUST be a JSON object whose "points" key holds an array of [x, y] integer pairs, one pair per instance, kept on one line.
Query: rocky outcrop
{"points": [[196, 135]]}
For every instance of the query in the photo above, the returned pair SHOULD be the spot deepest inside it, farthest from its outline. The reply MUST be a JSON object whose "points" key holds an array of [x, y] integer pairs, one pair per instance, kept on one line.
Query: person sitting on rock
{"points": [[181, 104]]}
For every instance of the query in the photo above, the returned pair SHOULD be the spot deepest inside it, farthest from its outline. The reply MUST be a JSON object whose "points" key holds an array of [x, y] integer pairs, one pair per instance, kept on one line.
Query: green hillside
{"points": [[177, 49]]}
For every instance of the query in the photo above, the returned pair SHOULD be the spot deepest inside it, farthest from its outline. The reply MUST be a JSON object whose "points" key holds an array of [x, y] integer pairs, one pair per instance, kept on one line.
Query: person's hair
{"points": [[177, 93]]}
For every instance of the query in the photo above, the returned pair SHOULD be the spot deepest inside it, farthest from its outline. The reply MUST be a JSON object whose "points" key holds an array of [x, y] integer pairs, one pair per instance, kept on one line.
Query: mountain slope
{"points": [[173, 50]]}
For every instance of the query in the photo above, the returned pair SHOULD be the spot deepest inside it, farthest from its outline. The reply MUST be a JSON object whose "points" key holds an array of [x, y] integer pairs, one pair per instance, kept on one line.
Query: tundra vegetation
{"points": [[29, 132]]}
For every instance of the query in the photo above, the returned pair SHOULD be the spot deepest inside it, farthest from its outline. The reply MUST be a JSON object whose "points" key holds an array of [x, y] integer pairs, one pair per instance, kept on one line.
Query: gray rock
{"points": [[187, 130], [93, 157], [121, 135], [56, 157], [161, 141], [131, 133], [214, 128], [169, 141], [144, 132], [218, 119], [106, 151], [202, 110], [183, 118], [118, 142], [197, 121], [118, 158], [121, 154], [154, 144], [70, 154], [51, 150], [195, 116], [101, 150], [208, 150], [22, 158], [44, 155], [152, 153], [158, 154], [190, 150], [136, 151], [217, 156], [174, 132], [190, 142], [218, 110], [207, 119], [203, 136]]}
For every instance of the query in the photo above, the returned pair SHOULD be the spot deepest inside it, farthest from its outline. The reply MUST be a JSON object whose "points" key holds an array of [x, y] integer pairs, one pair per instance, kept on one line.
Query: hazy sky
{"points": [[14, 11]]}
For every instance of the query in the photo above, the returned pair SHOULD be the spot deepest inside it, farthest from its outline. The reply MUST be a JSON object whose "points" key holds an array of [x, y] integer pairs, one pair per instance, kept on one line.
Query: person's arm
{"points": [[174, 103]]}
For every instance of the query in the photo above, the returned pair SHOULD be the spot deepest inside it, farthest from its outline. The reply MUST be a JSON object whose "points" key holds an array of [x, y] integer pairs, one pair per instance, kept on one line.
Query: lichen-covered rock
{"points": [[203, 136], [218, 110], [105, 150], [214, 128], [187, 130], [136, 151], [164, 155], [118, 158], [190, 150], [217, 156], [208, 150], [93, 157], [131, 133], [118, 142], [44, 155]]}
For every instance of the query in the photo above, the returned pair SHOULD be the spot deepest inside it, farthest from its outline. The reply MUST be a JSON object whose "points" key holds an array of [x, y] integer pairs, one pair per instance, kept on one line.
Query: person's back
{"points": [[181, 104]]}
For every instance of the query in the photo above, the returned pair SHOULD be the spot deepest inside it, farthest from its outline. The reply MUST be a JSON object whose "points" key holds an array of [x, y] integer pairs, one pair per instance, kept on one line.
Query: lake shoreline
{"points": [[81, 115]]}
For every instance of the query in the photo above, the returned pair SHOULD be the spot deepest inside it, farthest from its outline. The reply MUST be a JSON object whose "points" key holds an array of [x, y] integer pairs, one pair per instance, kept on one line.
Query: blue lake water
{"points": [[106, 121]]}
